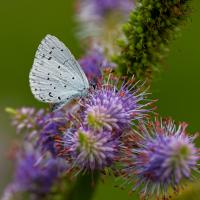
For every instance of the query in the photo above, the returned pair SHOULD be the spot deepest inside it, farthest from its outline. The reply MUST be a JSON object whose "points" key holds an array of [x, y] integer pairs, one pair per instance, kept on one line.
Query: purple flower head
{"points": [[89, 150], [28, 119], [32, 177], [93, 63], [35, 178], [53, 124], [42, 126], [102, 7], [161, 158], [24, 119], [113, 109], [96, 16]]}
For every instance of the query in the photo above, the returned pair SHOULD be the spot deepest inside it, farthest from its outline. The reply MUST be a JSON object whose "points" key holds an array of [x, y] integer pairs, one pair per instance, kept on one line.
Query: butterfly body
{"points": [[56, 77]]}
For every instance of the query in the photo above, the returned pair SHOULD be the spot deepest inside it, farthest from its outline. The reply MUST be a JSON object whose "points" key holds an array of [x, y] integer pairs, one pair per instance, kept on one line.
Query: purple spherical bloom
{"points": [[24, 119], [34, 177], [29, 119], [53, 124], [93, 63], [161, 158], [96, 16], [102, 7], [113, 109], [42, 126], [89, 150], [99, 9]]}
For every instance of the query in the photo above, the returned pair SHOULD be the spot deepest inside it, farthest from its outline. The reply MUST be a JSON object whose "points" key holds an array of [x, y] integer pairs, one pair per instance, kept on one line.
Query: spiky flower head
{"points": [[35, 178], [100, 22], [32, 175], [88, 150], [24, 119], [93, 63], [114, 109], [103, 7], [53, 123], [161, 157], [41, 126]]}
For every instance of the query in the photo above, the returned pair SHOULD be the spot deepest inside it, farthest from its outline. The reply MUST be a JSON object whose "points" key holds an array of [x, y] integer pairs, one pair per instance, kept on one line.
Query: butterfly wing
{"points": [[56, 77], [57, 106]]}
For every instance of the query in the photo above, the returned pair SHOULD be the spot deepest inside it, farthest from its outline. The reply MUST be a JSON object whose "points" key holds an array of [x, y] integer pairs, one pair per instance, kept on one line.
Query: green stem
{"points": [[84, 187]]}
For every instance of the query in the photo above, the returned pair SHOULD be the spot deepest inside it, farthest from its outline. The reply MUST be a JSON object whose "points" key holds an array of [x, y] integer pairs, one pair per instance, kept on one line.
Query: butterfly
{"points": [[56, 77]]}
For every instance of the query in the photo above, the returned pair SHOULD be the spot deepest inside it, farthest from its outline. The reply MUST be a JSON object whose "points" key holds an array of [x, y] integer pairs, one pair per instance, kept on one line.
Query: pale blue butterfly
{"points": [[56, 77]]}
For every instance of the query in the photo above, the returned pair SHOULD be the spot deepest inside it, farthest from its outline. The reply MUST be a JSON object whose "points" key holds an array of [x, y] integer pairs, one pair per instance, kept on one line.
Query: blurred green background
{"points": [[25, 22]]}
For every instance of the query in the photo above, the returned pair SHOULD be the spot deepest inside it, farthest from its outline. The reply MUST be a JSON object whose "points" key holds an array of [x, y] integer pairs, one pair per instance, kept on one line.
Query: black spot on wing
{"points": [[50, 94]]}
